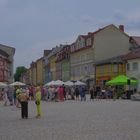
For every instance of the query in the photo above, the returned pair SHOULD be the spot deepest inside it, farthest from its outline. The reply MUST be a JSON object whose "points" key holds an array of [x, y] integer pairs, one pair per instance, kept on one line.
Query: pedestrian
{"points": [[18, 91], [77, 93], [38, 102], [5, 97], [64, 91], [61, 93], [10, 94], [31, 92], [82, 93], [72, 92], [23, 97], [91, 90]]}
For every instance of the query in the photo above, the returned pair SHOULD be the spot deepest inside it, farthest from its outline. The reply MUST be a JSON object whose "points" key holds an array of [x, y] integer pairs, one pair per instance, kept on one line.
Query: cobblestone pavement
{"points": [[73, 120]]}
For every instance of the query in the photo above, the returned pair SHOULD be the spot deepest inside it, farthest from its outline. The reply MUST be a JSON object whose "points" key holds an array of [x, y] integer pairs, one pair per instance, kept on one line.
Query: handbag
{"points": [[37, 102]]}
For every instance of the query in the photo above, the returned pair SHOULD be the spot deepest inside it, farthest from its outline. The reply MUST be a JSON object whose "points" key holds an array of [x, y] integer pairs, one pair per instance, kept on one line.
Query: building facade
{"points": [[40, 71], [47, 73], [133, 66], [6, 63], [109, 42], [109, 68], [63, 63], [33, 73], [82, 60], [46, 66]]}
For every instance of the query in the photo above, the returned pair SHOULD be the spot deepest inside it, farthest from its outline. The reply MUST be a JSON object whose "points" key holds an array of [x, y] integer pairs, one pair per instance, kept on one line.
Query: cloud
{"points": [[87, 19], [131, 20], [25, 55], [32, 26]]}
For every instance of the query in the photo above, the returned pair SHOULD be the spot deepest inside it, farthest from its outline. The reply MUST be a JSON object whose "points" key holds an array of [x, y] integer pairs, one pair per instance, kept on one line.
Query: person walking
{"points": [[23, 97], [18, 91], [5, 97], [82, 93], [38, 102], [10, 95], [77, 93], [91, 93]]}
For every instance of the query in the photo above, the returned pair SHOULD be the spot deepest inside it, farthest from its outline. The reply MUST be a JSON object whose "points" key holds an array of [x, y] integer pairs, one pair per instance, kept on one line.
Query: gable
{"points": [[113, 28]]}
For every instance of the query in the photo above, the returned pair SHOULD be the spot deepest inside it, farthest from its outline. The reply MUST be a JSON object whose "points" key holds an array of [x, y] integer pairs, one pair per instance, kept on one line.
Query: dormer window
{"points": [[88, 42]]}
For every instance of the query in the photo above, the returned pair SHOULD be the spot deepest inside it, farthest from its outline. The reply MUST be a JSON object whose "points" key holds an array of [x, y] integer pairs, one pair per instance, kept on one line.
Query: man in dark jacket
{"points": [[23, 97]]}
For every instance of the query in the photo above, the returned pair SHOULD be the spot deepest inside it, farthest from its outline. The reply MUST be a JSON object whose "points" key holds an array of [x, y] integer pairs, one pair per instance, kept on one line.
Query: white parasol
{"points": [[49, 83], [17, 84], [2, 85], [69, 83], [58, 83], [79, 83]]}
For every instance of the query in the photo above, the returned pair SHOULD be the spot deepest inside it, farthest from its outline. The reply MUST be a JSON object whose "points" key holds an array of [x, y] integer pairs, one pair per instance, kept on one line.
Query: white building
{"points": [[133, 66]]}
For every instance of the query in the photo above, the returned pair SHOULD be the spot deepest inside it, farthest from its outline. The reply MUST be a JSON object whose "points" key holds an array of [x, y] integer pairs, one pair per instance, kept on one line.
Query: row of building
{"points": [[93, 58]]}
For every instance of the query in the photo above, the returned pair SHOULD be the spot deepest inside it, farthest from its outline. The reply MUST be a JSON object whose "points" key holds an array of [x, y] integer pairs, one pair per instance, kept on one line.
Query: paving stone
{"points": [[73, 120]]}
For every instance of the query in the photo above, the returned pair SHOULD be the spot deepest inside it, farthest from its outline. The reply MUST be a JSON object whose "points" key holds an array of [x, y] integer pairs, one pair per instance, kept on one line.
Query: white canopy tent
{"points": [[3, 85], [17, 83], [49, 83], [69, 83], [79, 83], [55, 83], [58, 83]]}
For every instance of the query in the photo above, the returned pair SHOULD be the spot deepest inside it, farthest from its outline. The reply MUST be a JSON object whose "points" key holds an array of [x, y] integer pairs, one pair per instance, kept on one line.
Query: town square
{"points": [[69, 70]]}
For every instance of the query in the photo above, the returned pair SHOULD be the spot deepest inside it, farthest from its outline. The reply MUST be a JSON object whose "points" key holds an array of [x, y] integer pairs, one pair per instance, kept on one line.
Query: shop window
{"points": [[135, 66]]}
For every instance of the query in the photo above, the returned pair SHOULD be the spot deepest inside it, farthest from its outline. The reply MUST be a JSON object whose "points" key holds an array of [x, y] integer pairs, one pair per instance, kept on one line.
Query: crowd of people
{"points": [[97, 92], [20, 96], [56, 93]]}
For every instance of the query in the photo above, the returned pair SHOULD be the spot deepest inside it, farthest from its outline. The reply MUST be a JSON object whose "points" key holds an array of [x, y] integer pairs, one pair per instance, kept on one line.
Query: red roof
{"points": [[90, 34], [133, 54], [137, 39]]}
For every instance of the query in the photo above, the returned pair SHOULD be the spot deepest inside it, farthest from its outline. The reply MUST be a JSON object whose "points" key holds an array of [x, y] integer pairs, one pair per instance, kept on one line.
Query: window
{"points": [[135, 66], [116, 68], [81, 44], [83, 58], [88, 42], [101, 69], [128, 67]]}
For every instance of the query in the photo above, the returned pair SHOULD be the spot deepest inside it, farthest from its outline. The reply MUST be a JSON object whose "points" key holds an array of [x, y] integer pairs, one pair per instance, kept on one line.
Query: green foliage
{"points": [[19, 71]]}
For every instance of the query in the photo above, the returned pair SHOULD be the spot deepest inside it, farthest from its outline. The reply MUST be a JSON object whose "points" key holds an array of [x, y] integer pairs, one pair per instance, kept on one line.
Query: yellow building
{"points": [[33, 74], [39, 71], [30, 75], [82, 59], [108, 69]]}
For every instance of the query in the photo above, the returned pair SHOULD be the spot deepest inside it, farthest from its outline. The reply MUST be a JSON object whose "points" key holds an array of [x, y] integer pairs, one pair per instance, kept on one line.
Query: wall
{"points": [[65, 70], [134, 73], [11, 52], [82, 64], [40, 76], [110, 42], [53, 67]]}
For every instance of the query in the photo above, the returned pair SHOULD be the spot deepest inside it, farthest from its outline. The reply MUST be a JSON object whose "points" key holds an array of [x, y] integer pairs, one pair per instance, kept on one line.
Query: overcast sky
{"points": [[31, 26]]}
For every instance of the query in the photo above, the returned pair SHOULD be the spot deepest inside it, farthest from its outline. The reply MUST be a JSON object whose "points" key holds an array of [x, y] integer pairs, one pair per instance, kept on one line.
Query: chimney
{"points": [[90, 33], [121, 27]]}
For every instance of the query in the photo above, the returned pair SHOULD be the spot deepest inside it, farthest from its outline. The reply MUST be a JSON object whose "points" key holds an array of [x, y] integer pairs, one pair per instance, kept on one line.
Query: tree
{"points": [[19, 71]]}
